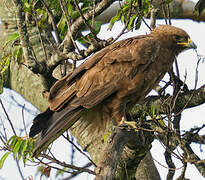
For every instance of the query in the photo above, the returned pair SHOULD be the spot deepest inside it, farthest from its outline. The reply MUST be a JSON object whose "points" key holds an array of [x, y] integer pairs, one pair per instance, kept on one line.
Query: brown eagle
{"points": [[110, 82]]}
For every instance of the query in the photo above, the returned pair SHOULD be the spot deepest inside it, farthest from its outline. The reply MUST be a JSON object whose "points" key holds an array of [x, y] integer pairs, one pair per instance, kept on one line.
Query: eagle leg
{"points": [[131, 124]]}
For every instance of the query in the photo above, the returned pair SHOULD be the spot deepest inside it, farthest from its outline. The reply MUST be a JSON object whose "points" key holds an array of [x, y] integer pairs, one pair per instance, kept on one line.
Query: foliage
{"points": [[14, 53], [4, 67], [86, 40], [20, 147], [131, 13]]}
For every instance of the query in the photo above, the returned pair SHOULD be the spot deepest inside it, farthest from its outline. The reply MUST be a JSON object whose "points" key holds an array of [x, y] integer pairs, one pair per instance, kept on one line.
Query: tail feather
{"points": [[56, 125], [40, 122]]}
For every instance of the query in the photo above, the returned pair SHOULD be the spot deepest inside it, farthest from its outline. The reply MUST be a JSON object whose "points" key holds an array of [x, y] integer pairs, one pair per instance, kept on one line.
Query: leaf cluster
{"points": [[131, 13], [20, 147], [16, 53]]}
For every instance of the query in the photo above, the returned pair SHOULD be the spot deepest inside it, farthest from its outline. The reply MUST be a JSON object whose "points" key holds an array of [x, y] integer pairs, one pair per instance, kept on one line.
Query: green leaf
{"points": [[4, 64], [13, 141], [30, 146], [113, 20], [122, 19], [84, 40], [28, 10], [168, 1], [13, 37], [138, 23], [22, 148], [29, 149], [1, 85], [60, 172], [97, 27], [153, 111], [62, 27], [43, 20], [131, 22], [2, 160], [27, 6], [18, 54], [126, 7], [70, 9], [75, 15], [17, 147]]}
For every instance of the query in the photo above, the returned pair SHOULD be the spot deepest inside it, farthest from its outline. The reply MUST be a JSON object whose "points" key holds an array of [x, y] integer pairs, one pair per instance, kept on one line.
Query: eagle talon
{"points": [[131, 124]]}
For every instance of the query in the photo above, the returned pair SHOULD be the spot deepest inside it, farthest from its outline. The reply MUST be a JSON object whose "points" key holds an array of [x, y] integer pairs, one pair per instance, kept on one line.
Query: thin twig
{"points": [[19, 170], [68, 139], [74, 174], [85, 20], [183, 171], [8, 118], [4, 142], [164, 12], [197, 66], [165, 166], [146, 24], [93, 15], [127, 22], [63, 164], [24, 124], [30, 60], [40, 36], [168, 14], [4, 129], [68, 24], [55, 29]]}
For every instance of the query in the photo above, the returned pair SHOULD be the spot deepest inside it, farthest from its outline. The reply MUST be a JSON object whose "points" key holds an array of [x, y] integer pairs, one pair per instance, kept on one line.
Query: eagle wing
{"points": [[101, 75], [105, 74]]}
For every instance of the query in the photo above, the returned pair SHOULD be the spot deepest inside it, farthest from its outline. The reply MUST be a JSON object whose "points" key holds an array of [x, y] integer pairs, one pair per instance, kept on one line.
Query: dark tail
{"points": [[40, 122], [51, 125]]}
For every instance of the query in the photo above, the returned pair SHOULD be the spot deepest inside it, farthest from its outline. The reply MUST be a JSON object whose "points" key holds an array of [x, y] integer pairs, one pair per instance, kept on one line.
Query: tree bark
{"points": [[147, 170]]}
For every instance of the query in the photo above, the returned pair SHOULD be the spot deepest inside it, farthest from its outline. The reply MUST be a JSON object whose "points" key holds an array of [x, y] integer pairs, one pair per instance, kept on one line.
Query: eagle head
{"points": [[173, 37]]}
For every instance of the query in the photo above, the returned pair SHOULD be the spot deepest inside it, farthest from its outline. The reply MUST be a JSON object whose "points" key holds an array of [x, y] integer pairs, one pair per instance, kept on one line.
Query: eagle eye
{"points": [[177, 38], [180, 38]]}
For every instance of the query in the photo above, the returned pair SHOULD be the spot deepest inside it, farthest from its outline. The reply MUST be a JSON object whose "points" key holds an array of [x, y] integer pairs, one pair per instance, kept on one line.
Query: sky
{"points": [[191, 117]]}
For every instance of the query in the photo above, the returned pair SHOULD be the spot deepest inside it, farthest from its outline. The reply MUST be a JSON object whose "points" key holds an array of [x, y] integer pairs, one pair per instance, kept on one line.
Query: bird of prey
{"points": [[110, 82]]}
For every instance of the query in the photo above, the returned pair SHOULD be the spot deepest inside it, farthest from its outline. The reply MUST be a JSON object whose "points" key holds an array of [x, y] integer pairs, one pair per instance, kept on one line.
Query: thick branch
{"points": [[193, 158], [123, 153], [179, 9], [27, 49], [63, 164], [79, 23], [185, 100], [112, 155], [147, 170]]}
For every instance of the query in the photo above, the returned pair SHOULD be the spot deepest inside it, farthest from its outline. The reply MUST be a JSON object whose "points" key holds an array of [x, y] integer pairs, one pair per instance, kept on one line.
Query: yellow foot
{"points": [[131, 124]]}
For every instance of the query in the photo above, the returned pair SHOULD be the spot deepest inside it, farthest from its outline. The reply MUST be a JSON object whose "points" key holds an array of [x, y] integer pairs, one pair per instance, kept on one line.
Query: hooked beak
{"points": [[189, 44]]}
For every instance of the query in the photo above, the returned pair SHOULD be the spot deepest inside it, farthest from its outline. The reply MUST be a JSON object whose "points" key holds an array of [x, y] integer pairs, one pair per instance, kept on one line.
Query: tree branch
{"points": [[63, 164], [189, 99], [124, 148], [79, 23], [31, 62]]}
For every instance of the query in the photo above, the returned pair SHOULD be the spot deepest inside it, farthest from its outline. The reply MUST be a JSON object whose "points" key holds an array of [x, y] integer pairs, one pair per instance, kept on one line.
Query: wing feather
{"points": [[112, 72], [95, 79]]}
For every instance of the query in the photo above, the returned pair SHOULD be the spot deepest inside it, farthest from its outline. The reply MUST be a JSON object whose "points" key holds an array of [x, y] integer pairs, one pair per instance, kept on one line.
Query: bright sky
{"points": [[192, 117]]}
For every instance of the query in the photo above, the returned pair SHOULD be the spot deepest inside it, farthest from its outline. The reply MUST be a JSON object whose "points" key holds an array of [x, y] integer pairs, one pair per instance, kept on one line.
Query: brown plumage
{"points": [[107, 84]]}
